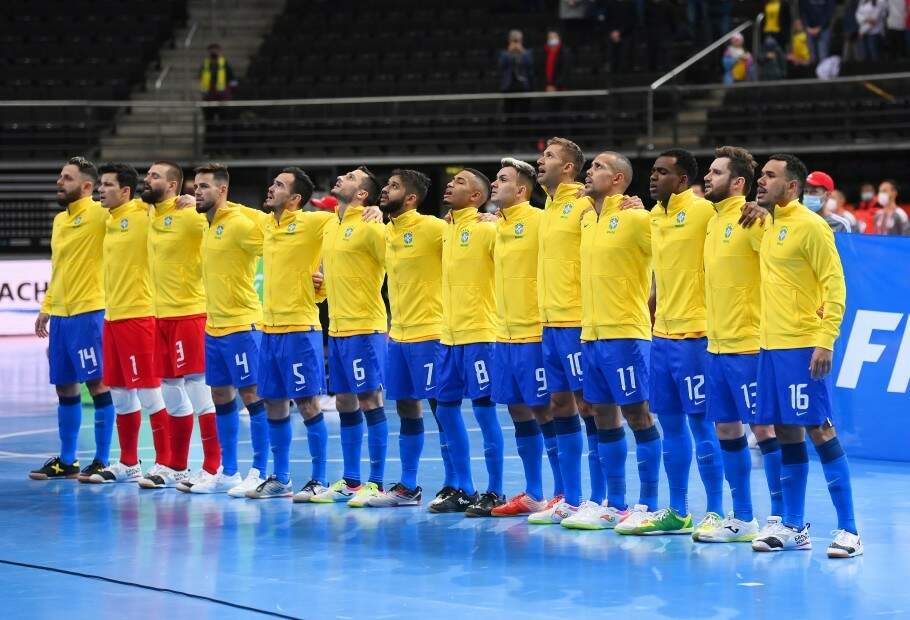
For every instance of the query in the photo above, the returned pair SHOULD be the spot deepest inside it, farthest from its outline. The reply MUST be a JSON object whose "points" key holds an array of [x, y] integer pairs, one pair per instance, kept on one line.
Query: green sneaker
{"points": [[711, 522], [362, 496], [666, 521]]}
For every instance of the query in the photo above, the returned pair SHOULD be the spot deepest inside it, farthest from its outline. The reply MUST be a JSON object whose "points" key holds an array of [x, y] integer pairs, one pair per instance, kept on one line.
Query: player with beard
{"points": [[733, 296], [72, 313], [353, 253], [414, 268], [175, 260], [466, 349], [231, 248], [802, 305]]}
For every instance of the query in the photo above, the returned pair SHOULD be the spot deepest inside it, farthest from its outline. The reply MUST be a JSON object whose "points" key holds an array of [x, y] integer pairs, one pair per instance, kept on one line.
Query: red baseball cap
{"points": [[820, 179], [326, 203]]}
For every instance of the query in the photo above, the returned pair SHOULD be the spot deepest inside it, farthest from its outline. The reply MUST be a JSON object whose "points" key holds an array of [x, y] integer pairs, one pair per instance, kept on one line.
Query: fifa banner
{"points": [[872, 355], [22, 287]]}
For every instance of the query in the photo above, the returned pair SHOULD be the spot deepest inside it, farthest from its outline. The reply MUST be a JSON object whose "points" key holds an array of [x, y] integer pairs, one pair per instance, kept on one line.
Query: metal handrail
{"points": [[161, 77], [685, 65], [188, 40]]}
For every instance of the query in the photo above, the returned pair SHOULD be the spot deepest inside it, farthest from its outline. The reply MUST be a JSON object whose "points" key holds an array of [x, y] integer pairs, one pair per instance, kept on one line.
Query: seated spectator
{"points": [[837, 204], [870, 15], [772, 62], [890, 219], [737, 61]]}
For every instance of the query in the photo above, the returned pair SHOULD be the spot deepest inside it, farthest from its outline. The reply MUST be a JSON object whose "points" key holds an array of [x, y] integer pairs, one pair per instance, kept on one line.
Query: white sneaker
{"points": [[593, 516], [398, 495], [118, 472], [164, 477], [253, 479], [730, 529], [552, 515], [310, 489], [709, 523], [633, 520], [219, 483], [845, 545], [363, 495], [196, 477], [339, 491], [271, 488], [776, 536]]}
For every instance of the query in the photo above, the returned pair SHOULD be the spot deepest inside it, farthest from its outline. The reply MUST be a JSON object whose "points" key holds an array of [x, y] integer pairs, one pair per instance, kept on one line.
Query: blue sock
{"points": [[280, 435], [677, 459], [377, 442], [449, 416], [69, 419], [770, 454], [530, 448], [410, 446], [613, 449], [449, 479], [570, 444], [598, 482], [549, 440], [104, 426], [648, 453], [317, 437], [493, 443], [794, 472], [227, 420], [837, 473], [710, 462], [351, 444], [738, 469], [259, 435]]}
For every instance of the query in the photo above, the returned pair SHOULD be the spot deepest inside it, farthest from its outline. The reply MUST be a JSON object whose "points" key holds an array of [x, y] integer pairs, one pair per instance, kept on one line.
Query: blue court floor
{"points": [[127, 553]]}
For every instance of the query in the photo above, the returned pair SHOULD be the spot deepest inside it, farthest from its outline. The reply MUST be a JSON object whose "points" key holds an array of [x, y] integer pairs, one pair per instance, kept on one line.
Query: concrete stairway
{"points": [[146, 133], [692, 121]]}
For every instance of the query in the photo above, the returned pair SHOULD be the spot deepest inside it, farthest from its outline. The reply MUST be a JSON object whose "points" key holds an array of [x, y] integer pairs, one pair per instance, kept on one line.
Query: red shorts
{"points": [[128, 350], [181, 346]]}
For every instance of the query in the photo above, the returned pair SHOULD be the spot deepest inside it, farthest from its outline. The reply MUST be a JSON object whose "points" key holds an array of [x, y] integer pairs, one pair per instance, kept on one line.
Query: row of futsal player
{"points": [[545, 311]]}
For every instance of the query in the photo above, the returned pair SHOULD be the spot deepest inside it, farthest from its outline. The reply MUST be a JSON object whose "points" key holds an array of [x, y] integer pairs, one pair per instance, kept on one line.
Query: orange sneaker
{"points": [[521, 504]]}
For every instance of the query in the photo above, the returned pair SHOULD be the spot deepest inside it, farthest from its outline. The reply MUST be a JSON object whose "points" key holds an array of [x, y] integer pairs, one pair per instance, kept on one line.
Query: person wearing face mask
{"points": [[817, 198], [890, 219], [837, 204]]}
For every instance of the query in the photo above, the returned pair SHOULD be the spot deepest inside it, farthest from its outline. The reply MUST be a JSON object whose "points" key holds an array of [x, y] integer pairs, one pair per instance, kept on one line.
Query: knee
{"points": [[309, 407], [763, 432], [248, 395], [67, 391], [370, 400], [346, 402], [222, 395], [821, 434], [151, 399], [409, 409], [640, 420]]}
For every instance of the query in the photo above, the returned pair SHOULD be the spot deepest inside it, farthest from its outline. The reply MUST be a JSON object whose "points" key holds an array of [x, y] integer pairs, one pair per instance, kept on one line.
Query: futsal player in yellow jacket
{"points": [[468, 333], [559, 295], [803, 294], [72, 313]]}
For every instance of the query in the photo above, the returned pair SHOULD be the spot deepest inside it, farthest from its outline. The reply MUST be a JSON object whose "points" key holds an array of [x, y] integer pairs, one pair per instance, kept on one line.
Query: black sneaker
{"points": [[443, 495], [55, 469], [95, 467], [456, 502], [484, 504]]}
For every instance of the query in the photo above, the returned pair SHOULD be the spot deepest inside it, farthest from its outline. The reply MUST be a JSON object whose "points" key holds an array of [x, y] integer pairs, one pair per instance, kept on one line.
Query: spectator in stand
{"points": [[837, 204], [697, 19], [851, 49], [777, 21], [866, 207], [772, 62], [890, 219], [870, 15], [737, 61], [816, 16], [516, 66], [816, 193], [216, 83], [621, 18], [896, 28], [574, 9], [558, 61], [799, 56], [720, 18]]}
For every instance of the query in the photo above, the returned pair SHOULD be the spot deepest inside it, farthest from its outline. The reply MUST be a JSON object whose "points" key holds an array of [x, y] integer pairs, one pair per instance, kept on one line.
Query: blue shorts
{"points": [[562, 358], [463, 371], [616, 371], [518, 374], [232, 359], [678, 376], [787, 393], [410, 370], [291, 365], [74, 350], [356, 363], [731, 383]]}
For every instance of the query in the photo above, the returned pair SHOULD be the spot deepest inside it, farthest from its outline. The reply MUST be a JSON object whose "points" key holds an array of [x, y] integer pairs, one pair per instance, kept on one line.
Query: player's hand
{"points": [[41, 324], [751, 213], [820, 364], [372, 214], [185, 201], [318, 280], [488, 217], [631, 202]]}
